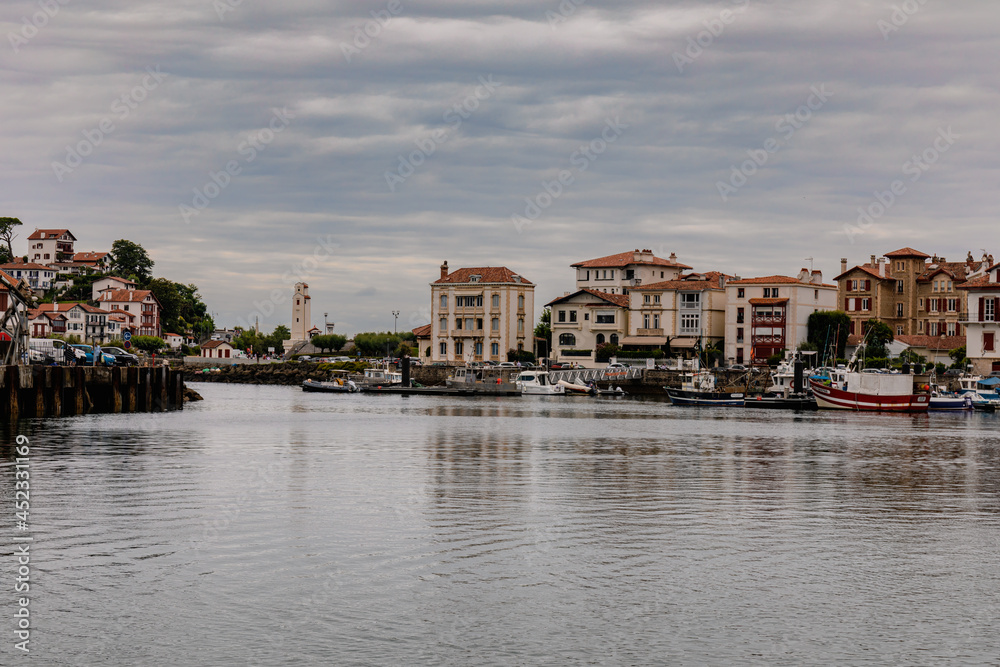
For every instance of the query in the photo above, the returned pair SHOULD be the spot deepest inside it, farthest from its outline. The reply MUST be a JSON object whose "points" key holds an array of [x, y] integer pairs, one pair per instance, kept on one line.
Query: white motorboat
{"points": [[383, 377], [538, 383]]}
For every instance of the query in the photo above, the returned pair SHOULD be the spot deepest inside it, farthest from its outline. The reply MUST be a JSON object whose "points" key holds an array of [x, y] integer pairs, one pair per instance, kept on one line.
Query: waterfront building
{"points": [[982, 336], [585, 319], [89, 323], [769, 315], [217, 349], [48, 246], [423, 341], [141, 303], [911, 291], [40, 278], [112, 283], [173, 341], [680, 315], [480, 313], [616, 274]]}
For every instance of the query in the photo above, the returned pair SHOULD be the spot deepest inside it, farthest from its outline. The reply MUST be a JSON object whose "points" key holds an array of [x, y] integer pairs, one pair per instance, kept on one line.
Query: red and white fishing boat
{"points": [[871, 390]]}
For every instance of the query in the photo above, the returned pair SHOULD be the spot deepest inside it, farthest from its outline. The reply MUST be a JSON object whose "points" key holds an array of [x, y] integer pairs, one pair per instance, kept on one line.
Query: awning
{"points": [[990, 381], [767, 302], [683, 342], [644, 340]]}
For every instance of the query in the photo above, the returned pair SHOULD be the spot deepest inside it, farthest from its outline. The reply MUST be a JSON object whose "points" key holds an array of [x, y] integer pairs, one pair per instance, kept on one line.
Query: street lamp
{"points": [[395, 316]]}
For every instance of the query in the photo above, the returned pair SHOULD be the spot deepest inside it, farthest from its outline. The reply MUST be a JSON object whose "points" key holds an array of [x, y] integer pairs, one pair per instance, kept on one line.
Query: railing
{"points": [[583, 376], [767, 340], [769, 320]]}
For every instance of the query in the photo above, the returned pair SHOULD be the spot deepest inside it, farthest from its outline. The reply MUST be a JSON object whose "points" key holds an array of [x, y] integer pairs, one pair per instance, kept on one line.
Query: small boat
{"points": [[790, 402], [578, 389], [949, 401], [382, 377], [339, 385], [981, 391], [483, 381], [538, 383], [698, 388]]}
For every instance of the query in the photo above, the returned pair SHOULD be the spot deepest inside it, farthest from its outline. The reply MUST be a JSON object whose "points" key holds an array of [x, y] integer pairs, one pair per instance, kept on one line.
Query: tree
{"points": [[329, 342], [7, 235], [826, 327], [130, 260], [958, 356], [877, 336], [150, 344], [170, 299]]}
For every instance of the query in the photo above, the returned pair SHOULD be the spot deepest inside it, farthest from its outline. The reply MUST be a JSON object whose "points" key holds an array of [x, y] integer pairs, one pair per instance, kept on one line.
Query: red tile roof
{"points": [[212, 344], [89, 256], [423, 332], [620, 300], [870, 270], [625, 258], [768, 279], [130, 295], [983, 282], [49, 234], [933, 342], [907, 252], [488, 274], [15, 266], [687, 283]]}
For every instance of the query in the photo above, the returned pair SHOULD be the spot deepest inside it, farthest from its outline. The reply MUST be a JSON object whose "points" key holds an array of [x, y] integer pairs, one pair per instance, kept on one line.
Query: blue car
{"points": [[85, 353]]}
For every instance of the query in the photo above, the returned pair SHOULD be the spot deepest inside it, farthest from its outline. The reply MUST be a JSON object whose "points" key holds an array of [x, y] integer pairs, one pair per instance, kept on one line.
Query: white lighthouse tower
{"points": [[301, 316]]}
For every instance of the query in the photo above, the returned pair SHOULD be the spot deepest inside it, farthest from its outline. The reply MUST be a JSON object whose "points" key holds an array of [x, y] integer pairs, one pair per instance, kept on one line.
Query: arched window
{"points": [[567, 339], [600, 339], [614, 339]]}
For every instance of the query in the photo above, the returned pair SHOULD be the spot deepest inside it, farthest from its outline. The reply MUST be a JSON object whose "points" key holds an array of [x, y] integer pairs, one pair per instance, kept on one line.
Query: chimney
{"points": [[881, 267], [673, 257], [444, 270], [817, 277], [843, 265], [873, 260], [803, 275], [636, 255]]}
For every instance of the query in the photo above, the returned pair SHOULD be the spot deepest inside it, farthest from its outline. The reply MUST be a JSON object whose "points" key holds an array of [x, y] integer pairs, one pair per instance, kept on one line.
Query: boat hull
{"points": [[950, 403], [713, 398], [782, 403], [831, 398], [328, 387]]}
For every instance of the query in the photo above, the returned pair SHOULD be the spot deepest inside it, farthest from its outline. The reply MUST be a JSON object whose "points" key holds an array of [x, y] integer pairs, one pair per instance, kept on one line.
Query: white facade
{"points": [[616, 274], [770, 315], [683, 312], [301, 314], [582, 321], [38, 277], [111, 282], [982, 331], [48, 246], [480, 314]]}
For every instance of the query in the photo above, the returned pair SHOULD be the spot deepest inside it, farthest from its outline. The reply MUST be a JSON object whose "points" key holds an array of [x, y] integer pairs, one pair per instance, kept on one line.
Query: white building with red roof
{"points": [[112, 283], [90, 323], [585, 319], [143, 304], [48, 246], [616, 274], [38, 276], [480, 313], [982, 329], [769, 315], [217, 349], [681, 315]]}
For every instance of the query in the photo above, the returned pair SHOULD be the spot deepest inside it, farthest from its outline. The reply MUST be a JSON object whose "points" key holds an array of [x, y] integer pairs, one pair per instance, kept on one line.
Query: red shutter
{"points": [[988, 342], [847, 305], [996, 303], [982, 309], [868, 285]]}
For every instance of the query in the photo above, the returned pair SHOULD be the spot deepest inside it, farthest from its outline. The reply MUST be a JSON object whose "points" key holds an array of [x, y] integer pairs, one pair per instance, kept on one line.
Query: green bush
{"points": [[876, 362]]}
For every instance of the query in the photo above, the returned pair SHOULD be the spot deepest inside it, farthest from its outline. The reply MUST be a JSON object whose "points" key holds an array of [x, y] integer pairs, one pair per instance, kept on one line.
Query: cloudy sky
{"points": [[358, 144]]}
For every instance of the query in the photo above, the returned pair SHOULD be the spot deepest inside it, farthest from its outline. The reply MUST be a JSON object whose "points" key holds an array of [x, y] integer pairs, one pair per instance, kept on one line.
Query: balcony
{"points": [[768, 320], [766, 341]]}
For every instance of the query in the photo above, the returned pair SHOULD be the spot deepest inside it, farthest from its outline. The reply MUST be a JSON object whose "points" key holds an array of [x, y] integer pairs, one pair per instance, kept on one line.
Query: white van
{"points": [[46, 350]]}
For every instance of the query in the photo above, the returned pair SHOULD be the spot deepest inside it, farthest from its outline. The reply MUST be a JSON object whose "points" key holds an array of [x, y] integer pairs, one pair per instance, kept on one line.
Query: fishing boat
{"points": [[336, 386], [981, 391], [871, 390], [538, 383], [483, 381], [698, 388], [380, 376], [787, 390]]}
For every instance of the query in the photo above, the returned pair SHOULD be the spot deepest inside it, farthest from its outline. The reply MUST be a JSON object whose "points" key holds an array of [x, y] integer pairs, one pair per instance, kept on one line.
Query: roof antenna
{"points": [[810, 260]]}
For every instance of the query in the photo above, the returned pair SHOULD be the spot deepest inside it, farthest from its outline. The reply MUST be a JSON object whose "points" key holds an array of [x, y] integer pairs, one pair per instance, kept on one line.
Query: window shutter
{"points": [[847, 305], [996, 303], [868, 285], [988, 342], [982, 309]]}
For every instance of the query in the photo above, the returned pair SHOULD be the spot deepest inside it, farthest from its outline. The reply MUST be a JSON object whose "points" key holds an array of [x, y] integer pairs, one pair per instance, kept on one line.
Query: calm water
{"points": [[268, 526]]}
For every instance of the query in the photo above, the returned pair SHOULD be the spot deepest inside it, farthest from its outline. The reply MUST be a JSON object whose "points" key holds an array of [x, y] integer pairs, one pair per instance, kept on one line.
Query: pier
{"points": [[61, 391]]}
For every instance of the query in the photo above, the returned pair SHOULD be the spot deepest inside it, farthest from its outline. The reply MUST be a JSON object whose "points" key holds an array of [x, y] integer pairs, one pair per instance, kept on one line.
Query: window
{"points": [[899, 266], [458, 323], [495, 324], [645, 298], [629, 274], [444, 302], [951, 328], [690, 323], [739, 315], [815, 294], [586, 317], [740, 292], [952, 305], [934, 287], [866, 304], [899, 329], [600, 339], [479, 347], [645, 321], [567, 339], [920, 326], [656, 321], [774, 292], [444, 348], [496, 300], [494, 349], [459, 348], [479, 325], [605, 318], [562, 315], [920, 304], [614, 339], [989, 311], [690, 300], [520, 325], [739, 334], [899, 287], [767, 292], [656, 298], [520, 302], [572, 316], [949, 285], [899, 310], [468, 324], [443, 324]]}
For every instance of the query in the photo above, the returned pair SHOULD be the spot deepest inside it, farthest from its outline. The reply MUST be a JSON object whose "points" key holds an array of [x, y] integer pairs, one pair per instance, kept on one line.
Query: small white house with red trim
{"points": [[217, 349]]}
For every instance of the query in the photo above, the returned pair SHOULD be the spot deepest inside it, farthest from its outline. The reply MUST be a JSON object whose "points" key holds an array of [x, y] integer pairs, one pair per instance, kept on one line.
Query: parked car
{"points": [[506, 364], [618, 365], [87, 357], [122, 357], [737, 367]]}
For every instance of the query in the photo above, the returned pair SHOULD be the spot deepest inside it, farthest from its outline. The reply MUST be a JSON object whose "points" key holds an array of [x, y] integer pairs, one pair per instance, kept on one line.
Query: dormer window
{"points": [[475, 279]]}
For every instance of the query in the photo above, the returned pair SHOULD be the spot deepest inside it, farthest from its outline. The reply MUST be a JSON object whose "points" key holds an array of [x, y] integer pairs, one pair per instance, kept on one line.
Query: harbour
{"points": [[458, 530]]}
